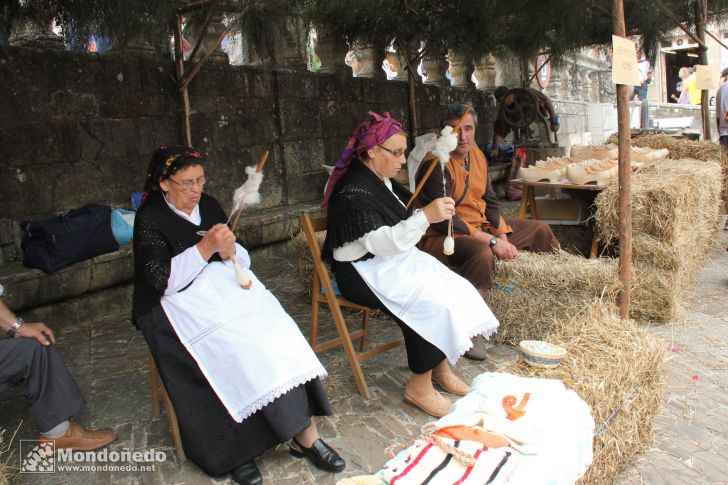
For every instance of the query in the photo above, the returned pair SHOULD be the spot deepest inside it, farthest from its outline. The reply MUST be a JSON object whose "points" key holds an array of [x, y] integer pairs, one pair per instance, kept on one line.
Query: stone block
{"points": [[273, 225], [157, 77], [297, 84], [114, 73], [6, 231], [307, 187], [300, 120], [333, 148], [340, 87], [339, 118], [20, 68], [303, 156], [427, 95], [225, 170], [111, 138], [40, 143], [137, 105]]}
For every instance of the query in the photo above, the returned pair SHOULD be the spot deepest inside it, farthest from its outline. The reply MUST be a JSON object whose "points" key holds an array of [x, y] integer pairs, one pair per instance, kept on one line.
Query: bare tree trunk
{"points": [[701, 13], [180, 65], [625, 175]]}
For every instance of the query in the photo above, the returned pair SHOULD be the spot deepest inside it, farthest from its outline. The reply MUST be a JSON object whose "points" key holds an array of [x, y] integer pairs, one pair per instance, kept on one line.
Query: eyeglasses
{"points": [[395, 153], [190, 184]]}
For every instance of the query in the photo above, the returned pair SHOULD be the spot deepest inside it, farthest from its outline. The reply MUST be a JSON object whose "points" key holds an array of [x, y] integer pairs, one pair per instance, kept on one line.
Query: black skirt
{"points": [[422, 356], [210, 437]]}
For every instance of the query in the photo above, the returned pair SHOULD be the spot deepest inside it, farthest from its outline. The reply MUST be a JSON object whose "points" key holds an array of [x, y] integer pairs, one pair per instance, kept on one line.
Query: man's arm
{"points": [[38, 331]]}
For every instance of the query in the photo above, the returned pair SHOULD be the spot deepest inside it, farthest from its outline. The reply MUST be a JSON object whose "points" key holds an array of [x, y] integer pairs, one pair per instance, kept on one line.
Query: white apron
{"points": [[441, 306], [246, 345]]}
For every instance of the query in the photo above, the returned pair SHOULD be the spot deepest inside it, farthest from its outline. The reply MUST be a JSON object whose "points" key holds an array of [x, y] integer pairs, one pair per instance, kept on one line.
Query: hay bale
{"points": [[536, 291], [667, 198], [675, 207], [616, 368], [700, 150]]}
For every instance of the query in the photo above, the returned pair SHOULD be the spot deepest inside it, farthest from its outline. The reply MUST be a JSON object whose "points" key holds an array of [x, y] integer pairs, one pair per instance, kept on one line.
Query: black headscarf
{"points": [[166, 161]]}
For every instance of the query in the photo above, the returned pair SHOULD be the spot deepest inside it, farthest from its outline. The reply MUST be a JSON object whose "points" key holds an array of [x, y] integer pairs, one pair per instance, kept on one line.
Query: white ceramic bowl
{"points": [[541, 354]]}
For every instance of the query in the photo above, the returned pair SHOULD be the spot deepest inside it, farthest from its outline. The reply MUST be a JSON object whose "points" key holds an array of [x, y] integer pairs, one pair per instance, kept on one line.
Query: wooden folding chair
{"points": [[321, 280], [158, 390]]}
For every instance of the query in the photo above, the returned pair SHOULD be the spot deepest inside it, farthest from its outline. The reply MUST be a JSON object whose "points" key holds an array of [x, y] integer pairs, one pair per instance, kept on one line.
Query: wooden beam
{"points": [[625, 175]]}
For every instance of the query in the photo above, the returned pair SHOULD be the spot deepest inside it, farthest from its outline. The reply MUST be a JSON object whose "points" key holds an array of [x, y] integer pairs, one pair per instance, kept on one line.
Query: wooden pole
{"points": [[411, 93], [429, 171], [701, 13], [625, 175], [179, 62]]}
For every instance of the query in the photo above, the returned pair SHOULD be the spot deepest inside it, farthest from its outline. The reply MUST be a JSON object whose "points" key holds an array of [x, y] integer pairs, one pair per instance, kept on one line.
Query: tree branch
{"points": [[682, 27]]}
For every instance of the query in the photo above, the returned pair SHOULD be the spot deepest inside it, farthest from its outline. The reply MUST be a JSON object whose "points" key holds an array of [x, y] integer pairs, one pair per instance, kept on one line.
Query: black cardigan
{"points": [[159, 235]]}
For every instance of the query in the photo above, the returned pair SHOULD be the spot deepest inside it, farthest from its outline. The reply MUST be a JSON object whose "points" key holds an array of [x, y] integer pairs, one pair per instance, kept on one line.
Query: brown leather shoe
{"points": [[79, 438], [450, 383], [434, 404]]}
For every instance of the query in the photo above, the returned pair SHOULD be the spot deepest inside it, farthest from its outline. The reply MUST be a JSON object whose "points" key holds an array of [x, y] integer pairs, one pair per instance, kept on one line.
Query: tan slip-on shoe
{"points": [[434, 404], [79, 438], [450, 383]]}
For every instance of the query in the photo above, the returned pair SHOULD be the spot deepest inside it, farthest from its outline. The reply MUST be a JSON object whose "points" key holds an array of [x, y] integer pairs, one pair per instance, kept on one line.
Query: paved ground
{"points": [[108, 358]]}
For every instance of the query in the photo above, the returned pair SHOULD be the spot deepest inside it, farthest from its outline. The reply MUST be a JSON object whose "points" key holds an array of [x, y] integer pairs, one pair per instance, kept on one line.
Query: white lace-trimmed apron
{"points": [[246, 345], [441, 306]]}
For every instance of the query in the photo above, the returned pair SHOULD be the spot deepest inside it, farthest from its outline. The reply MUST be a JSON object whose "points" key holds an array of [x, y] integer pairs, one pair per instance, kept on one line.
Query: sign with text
{"points": [[705, 77], [624, 62]]}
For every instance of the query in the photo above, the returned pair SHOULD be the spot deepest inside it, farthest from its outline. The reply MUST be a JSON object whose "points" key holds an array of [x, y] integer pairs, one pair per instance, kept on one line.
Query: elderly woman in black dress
{"points": [[240, 375]]}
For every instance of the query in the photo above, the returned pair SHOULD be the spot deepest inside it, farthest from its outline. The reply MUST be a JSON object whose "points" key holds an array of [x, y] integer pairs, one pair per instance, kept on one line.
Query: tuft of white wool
{"points": [[446, 143], [247, 194]]}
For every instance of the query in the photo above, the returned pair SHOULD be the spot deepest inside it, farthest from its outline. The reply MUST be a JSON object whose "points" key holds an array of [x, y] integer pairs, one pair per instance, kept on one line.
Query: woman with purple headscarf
{"points": [[370, 244]]}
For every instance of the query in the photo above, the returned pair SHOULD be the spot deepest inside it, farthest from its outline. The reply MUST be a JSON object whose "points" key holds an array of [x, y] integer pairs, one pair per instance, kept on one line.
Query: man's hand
{"points": [[505, 250], [219, 239], [439, 210], [38, 331]]}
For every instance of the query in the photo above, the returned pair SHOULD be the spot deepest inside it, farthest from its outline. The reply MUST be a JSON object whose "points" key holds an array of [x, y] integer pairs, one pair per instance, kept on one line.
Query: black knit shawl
{"points": [[159, 235], [360, 204]]}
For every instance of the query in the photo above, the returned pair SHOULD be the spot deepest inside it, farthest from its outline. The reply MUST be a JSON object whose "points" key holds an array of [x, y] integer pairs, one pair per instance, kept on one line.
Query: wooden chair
{"points": [[321, 280], [158, 390]]}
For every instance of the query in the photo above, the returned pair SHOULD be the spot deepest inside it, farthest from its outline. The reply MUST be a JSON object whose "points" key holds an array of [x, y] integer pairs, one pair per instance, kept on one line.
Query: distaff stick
{"points": [[240, 274], [258, 169], [455, 129]]}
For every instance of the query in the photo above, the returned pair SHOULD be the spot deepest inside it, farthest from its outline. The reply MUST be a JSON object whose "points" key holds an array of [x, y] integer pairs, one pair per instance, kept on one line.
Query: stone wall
{"points": [[80, 128]]}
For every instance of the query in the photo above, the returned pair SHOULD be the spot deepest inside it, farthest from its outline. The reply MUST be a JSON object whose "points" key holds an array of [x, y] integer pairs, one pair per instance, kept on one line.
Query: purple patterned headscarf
{"points": [[369, 134]]}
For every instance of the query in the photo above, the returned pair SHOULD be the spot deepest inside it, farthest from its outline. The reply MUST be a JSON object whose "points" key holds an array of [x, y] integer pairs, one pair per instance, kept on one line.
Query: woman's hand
{"points": [[439, 210], [219, 239]]}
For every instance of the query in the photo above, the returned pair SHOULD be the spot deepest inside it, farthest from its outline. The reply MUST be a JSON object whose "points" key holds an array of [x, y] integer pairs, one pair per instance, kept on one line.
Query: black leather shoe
{"points": [[247, 474], [320, 454]]}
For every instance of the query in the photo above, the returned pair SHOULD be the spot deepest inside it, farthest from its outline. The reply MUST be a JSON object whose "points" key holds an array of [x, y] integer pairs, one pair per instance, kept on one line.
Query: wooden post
{"points": [[701, 13], [625, 175], [179, 62]]}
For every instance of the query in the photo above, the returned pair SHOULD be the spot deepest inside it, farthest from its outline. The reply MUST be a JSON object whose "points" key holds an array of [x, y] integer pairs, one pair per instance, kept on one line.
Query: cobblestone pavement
{"points": [[691, 429], [108, 359]]}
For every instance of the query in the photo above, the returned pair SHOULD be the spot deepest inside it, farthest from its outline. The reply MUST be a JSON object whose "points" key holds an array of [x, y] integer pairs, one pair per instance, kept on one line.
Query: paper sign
{"points": [[624, 62], [706, 77]]}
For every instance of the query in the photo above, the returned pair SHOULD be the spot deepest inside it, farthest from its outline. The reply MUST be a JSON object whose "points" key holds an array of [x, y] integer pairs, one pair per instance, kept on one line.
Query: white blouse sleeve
{"points": [[185, 268], [386, 240]]}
